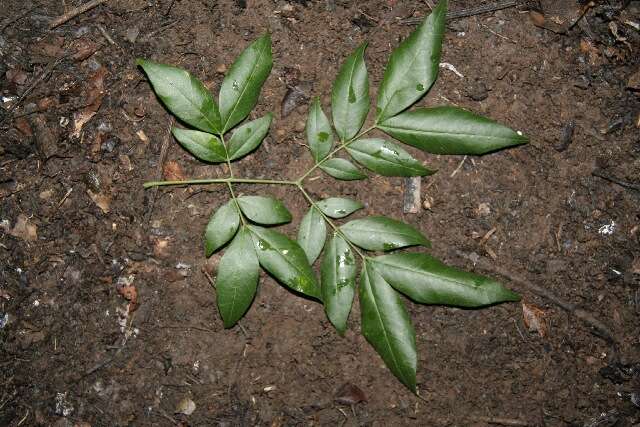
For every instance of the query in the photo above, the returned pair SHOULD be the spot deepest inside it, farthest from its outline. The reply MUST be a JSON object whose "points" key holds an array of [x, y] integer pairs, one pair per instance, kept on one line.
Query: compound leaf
{"points": [[241, 86], [203, 145], [378, 233], [350, 95], [338, 279], [285, 260], [264, 210], [247, 137], [184, 95], [427, 280], [221, 227], [386, 158], [387, 327], [237, 278], [312, 234], [413, 66], [450, 130], [342, 169], [339, 207], [319, 133]]}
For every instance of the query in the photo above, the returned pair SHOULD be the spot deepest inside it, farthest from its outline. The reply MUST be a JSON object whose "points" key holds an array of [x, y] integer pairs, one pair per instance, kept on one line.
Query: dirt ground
{"points": [[79, 235]]}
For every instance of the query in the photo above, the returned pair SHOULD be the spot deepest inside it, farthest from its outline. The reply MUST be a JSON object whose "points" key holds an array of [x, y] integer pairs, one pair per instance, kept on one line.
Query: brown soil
{"points": [[71, 353]]}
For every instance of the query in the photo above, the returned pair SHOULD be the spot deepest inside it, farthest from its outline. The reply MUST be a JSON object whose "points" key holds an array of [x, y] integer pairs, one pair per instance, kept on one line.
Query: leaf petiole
{"points": [[332, 153], [208, 181], [328, 220]]}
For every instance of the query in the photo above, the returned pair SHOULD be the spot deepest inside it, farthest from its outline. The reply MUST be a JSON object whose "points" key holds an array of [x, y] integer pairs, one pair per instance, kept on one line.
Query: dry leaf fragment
{"points": [[24, 230], [186, 407], [128, 291], [173, 171], [535, 319], [101, 200], [94, 94], [350, 394]]}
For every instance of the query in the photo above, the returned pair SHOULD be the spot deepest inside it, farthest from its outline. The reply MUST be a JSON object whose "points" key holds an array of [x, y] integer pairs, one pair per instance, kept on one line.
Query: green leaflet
{"points": [[339, 207], [221, 227], [378, 233], [312, 234], [247, 137], [450, 130], [184, 95], [427, 280], [342, 169], [319, 133], [413, 66], [350, 95], [241, 86], [285, 260], [204, 146], [264, 210], [237, 278], [386, 158], [387, 327], [338, 278]]}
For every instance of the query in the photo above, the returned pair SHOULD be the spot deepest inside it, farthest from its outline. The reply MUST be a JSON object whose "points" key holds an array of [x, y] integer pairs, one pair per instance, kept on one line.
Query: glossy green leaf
{"points": [[350, 95], [342, 169], [427, 280], [338, 278], [339, 207], [237, 278], [413, 66], [450, 130], [221, 227], [247, 137], [319, 133], [312, 234], [241, 86], [285, 260], [183, 95], [264, 210], [203, 145], [386, 158], [387, 327], [378, 233]]}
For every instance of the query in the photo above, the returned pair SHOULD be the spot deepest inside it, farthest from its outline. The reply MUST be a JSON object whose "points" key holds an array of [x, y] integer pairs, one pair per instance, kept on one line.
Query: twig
{"points": [[600, 174], [502, 421], [49, 68], [163, 156], [75, 12], [458, 168], [16, 18], [106, 35], [472, 11], [599, 327]]}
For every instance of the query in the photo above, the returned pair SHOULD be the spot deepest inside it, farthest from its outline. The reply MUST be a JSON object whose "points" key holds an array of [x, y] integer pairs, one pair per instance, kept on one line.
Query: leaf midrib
{"points": [[244, 89], [431, 132], [427, 273], [384, 329], [295, 267], [403, 163], [199, 109]]}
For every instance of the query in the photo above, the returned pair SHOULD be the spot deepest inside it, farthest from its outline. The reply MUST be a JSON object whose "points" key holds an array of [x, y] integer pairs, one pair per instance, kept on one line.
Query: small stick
{"points": [[472, 11], [75, 12], [600, 328], [412, 194], [10, 21], [458, 168], [600, 174], [503, 421], [163, 156], [32, 86], [106, 35]]}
